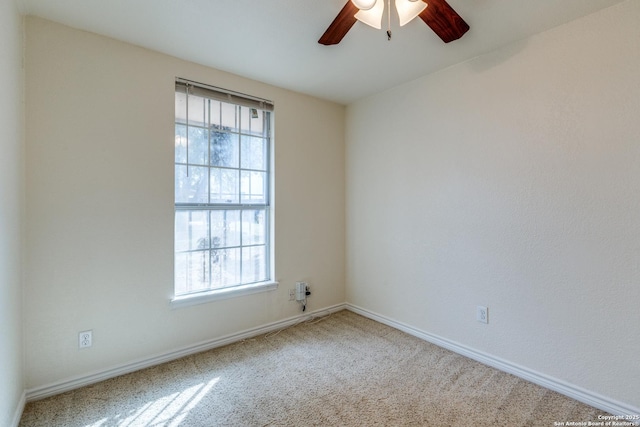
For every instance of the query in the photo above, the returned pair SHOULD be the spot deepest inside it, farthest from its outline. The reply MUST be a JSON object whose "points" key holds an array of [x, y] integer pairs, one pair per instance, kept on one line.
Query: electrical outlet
{"points": [[85, 339], [482, 314], [292, 294]]}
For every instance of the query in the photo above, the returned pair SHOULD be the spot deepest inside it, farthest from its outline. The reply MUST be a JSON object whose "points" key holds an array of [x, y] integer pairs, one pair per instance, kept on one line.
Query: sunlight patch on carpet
{"points": [[168, 410]]}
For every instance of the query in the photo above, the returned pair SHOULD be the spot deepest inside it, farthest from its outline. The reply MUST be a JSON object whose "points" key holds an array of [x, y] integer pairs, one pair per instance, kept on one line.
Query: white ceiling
{"points": [[275, 41]]}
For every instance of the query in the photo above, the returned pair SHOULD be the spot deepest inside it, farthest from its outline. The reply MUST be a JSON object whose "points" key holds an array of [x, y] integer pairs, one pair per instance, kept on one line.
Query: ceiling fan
{"points": [[437, 14]]}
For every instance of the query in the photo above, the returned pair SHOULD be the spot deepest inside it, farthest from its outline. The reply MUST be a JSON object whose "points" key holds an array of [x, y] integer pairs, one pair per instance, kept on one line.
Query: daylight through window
{"points": [[222, 189]]}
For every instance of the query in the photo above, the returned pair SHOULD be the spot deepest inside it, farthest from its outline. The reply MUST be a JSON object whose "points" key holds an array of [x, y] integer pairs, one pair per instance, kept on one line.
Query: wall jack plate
{"points": [[482, 314], [85, 339]]}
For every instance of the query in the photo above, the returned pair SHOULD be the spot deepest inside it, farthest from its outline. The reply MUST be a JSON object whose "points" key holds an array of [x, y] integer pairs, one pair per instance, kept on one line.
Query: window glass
{"points": [[222, 206]]}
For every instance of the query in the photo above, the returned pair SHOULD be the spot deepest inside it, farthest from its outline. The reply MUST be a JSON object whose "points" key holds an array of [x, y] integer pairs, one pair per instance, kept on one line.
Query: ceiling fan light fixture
{"points": [[373, 16], [443, 19], [364, 4], [409, 9]]}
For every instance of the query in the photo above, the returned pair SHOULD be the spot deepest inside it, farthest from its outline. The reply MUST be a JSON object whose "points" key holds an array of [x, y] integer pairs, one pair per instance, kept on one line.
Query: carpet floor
{"points": [[341, 370]]}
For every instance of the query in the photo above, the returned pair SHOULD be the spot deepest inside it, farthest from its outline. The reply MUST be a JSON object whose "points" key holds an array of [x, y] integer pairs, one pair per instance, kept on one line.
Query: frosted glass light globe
{"points": [[364, 4], [409, 9]]}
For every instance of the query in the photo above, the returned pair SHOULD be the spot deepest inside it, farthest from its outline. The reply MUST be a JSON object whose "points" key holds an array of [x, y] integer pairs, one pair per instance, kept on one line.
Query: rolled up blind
{"points": [[211, 92]]}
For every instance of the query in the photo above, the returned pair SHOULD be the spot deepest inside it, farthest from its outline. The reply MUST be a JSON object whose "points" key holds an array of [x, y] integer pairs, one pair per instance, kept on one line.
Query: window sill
{"points": [[220, 294]]}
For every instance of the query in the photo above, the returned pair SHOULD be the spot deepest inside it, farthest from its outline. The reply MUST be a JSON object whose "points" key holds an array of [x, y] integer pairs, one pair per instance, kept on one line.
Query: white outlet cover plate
{"points": [[85, 339], [482, 314]]}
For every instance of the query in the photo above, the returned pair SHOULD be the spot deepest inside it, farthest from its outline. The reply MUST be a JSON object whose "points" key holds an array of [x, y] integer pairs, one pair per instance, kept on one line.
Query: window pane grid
{"points": [[249, 182], [222, 195], [209, 261]]}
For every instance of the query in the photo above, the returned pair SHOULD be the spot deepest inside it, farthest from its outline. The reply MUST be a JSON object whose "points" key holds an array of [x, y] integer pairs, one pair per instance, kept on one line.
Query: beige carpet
{"points": [[344, 370]]}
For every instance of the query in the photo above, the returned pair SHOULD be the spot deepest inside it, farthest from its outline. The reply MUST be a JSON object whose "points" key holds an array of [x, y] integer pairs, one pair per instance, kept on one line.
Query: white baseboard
{"points": [[19, 410], [590, 398], [105, 374]]}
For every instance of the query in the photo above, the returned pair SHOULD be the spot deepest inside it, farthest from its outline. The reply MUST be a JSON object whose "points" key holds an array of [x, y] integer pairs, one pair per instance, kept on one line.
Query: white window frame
{"points": [[214, 292]]}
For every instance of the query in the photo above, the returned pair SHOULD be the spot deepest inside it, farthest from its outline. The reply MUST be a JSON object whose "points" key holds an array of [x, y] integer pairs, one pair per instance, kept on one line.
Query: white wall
{"points": [[11, 208], [511, 181], [100, 205]]}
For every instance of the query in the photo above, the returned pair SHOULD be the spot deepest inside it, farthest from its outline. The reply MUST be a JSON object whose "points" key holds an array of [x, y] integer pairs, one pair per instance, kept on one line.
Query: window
{"points": [[222, 233]]}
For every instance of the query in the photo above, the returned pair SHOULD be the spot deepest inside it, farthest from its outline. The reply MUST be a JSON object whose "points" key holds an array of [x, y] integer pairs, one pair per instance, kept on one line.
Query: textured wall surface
{"points": [[11, 208], [510, 181], [100, 146]]}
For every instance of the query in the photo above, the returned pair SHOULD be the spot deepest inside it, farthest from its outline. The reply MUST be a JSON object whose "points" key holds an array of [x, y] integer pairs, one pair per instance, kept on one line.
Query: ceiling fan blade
{"points": [[341, 25], [444, 21]]}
